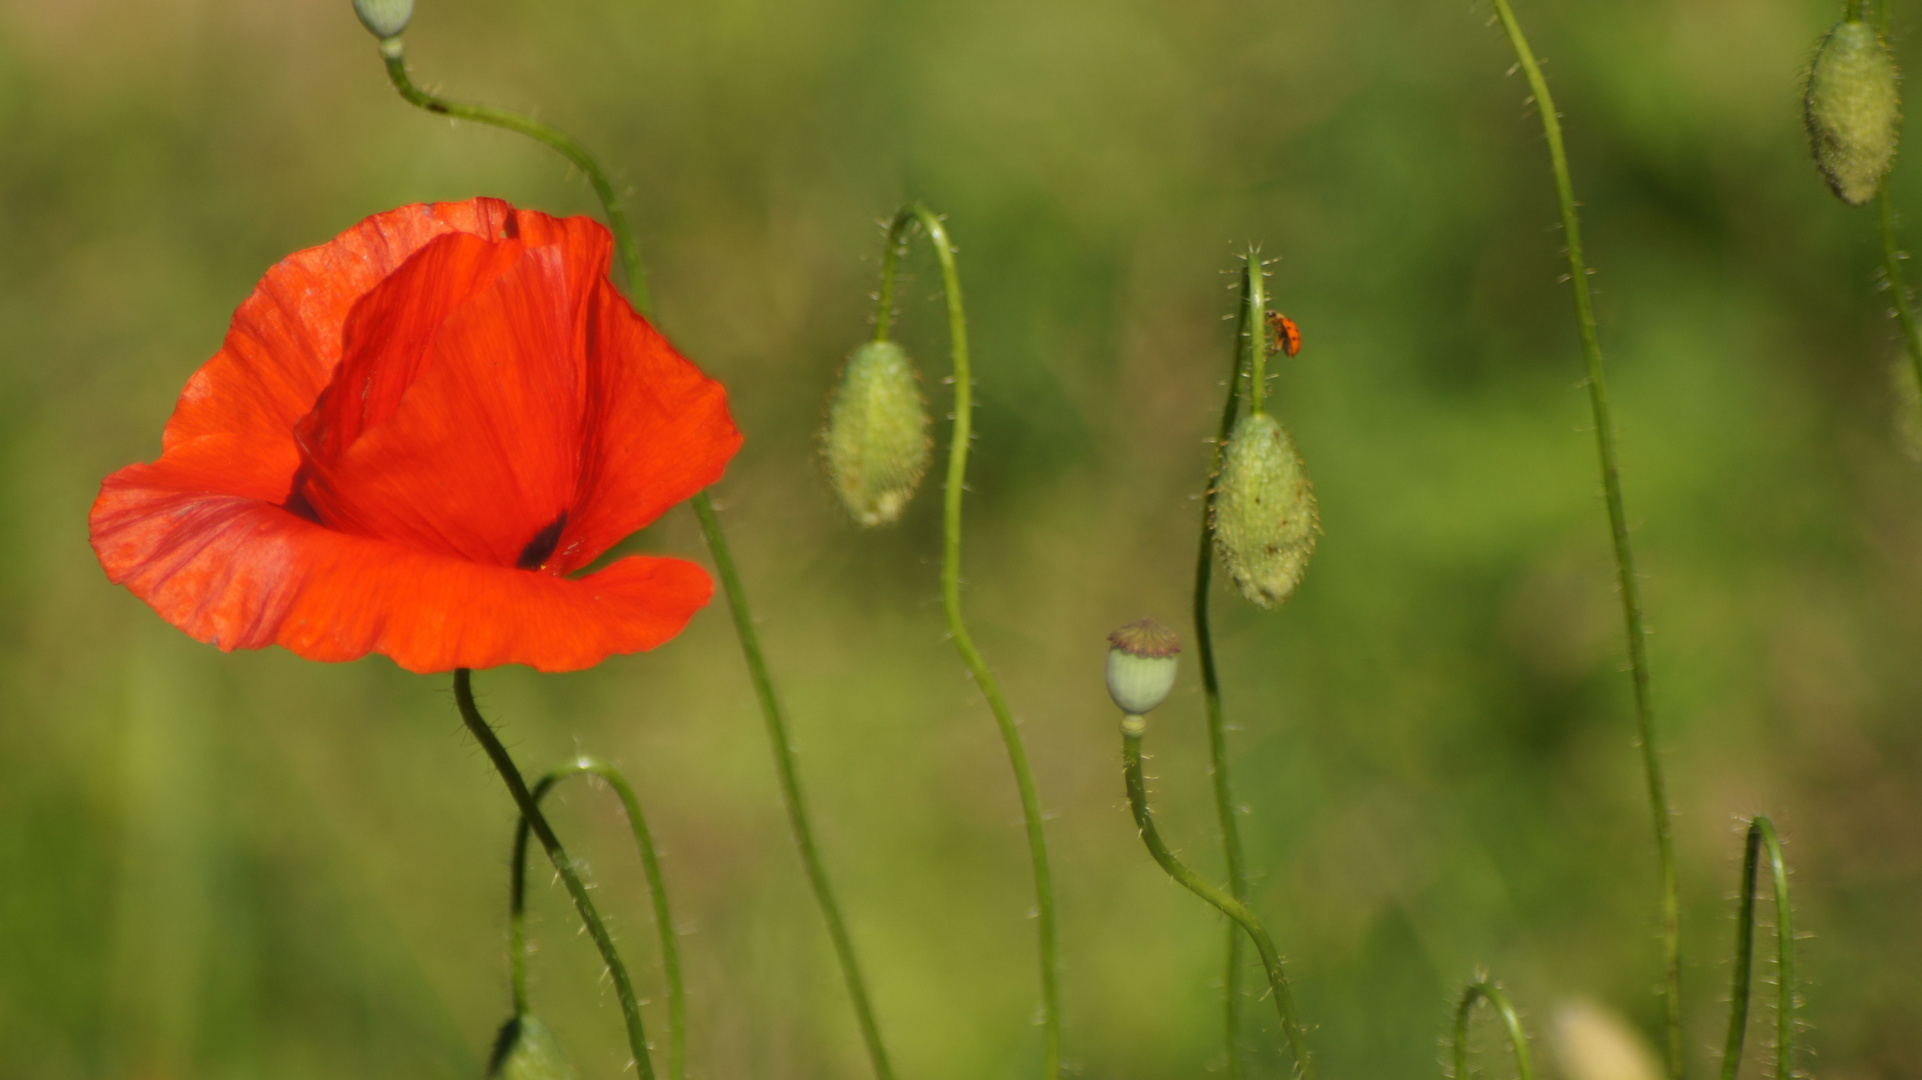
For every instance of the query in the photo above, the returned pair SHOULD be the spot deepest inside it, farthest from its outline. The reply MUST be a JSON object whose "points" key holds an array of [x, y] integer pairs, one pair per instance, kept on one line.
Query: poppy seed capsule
{"points": [[526, 1049], [386, 18], [876, 443], [1853, 110], [1265, 521], [1141, 666]]}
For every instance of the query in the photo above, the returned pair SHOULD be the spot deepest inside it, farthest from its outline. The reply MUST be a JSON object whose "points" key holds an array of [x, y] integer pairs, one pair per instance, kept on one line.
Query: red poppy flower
{"points": [[411, 437]]}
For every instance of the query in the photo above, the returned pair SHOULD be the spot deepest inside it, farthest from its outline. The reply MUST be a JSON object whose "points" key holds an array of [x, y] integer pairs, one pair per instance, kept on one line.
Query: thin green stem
{"points": [[898, 236], [1618, 531], [1854, 11], [1132, 729], [563, 865], [1479, 991], [1254, 318], [391, 49], [656, 887], [1898, 283], [1245, 345], [1762, 839]]}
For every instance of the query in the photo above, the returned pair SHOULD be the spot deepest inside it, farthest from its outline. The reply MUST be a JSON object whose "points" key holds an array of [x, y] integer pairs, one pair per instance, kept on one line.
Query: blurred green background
{"points": [[249, 865]]}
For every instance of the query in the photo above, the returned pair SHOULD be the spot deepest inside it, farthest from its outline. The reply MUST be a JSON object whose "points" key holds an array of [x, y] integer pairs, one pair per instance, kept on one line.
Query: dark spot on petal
{"points": [[542, 546]]}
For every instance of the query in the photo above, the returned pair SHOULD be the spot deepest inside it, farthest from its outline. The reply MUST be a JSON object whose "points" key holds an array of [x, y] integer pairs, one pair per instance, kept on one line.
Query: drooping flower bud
{"points": [[386, 18], [1853, 110], [1265, 521], [526, 1049], [1141, 666], [876, 443]]}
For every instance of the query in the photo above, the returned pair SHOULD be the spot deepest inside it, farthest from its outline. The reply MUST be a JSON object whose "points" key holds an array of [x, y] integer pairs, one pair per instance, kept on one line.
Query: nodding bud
{"points": [[386, 18], [876, 443], [1141, 666], [526, 1049], [1265, 521], [1853, 110]]}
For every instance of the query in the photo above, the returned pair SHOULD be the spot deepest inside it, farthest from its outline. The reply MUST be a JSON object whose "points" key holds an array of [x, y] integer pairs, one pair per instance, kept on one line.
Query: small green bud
{"points": [[876, 442], [386, 18], [527, 1050], [1853, 110], [1265, 523], [1141, 666]]}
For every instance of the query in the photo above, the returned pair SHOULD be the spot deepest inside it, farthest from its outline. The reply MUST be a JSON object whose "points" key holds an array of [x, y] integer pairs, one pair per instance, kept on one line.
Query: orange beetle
{"points": [[1287, 334]]}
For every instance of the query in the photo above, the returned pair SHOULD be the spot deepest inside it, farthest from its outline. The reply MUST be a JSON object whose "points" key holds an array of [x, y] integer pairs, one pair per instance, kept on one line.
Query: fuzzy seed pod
{"points": [[1853, 110], [876, 443], [526, 1049], [1265, 522], [1141, 666]]}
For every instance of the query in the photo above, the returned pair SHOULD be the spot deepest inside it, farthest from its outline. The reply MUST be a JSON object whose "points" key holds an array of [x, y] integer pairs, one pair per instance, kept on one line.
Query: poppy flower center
{"points": [[538, 549]]}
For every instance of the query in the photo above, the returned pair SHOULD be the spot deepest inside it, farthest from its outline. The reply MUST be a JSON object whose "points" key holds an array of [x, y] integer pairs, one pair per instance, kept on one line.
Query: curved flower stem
{"points": [[1479, 991], [1898, 285], [564, 865], [1618, 531], [656, 887], [711, 530], [898, 235], [1762, 838], [1132, 729], [1248, 344]]}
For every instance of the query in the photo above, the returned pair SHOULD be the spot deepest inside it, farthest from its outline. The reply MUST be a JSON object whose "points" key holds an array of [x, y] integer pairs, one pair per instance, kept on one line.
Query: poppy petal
{"points": [[239, 572]]}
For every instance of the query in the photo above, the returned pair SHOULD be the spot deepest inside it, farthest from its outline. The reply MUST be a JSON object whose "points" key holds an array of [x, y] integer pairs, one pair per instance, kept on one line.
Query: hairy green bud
{"points": [[1265, 523], [1141, 666], [876, 443], [1853, 110], [526, 1049]]}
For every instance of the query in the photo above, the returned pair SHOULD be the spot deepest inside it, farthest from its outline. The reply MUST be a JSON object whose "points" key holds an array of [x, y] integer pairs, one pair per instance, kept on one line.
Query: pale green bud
{"points": [[1141, 666], [876, 443], [1853, 110], [386, 18], [527, 1050], [1265, 523]]}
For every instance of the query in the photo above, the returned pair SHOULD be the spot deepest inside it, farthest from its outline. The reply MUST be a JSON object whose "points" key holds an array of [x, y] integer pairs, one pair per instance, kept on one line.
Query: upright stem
{"points": [[1618, 531], [958, 443], [1762, 838], [656, 887], [563, 865], [1479, 991], [1898, 284], [716, 541], [1247, 343], [1132, 728]]}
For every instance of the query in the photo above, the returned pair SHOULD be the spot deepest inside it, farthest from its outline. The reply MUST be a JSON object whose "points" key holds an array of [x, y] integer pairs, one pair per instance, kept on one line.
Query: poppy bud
{"points": [[876, 444], [1853, 110], [386, 18], [527, 1050], [1141, 665], [1265, 521]]}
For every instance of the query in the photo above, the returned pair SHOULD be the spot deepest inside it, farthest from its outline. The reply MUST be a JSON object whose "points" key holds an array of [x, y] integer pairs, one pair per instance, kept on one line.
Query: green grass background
{"points": [[248, 865]]}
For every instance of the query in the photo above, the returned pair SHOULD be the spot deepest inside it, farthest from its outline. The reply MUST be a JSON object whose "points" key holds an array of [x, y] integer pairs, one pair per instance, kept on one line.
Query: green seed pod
{"points": [[527, 1050], [1141, 666], [1853, 110], [1265, 523], [876, 442], [386, 18]]}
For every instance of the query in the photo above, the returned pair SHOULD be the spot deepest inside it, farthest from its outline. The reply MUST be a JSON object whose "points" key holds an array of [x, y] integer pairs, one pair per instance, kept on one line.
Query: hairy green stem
{"points": [[716, 538], [656, 887], [1479, 991], [563, 865], [1132, 729], [899, 233], [1618, 532], [1762, 840], [1898, 283]]}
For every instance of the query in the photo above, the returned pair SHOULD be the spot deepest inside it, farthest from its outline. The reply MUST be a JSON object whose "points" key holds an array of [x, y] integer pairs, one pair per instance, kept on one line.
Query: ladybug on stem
{"points": [[1287, 334]]}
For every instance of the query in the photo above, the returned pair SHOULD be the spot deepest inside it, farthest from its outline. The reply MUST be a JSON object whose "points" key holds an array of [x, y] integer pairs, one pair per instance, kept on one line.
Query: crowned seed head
{"points": [[1141, 666], [1853, 110], [876, 443], [1264, 518], [526, 1049]]}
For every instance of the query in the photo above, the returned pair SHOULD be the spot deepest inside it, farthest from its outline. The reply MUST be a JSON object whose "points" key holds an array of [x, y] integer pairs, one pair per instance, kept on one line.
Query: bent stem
{"points": [[563, 865], [711, 530], [1248, 345], [1479, 991], [1762, 838], [899, 234], [1132, 729], [656, 887], [1618, 532]]}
